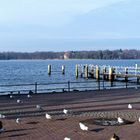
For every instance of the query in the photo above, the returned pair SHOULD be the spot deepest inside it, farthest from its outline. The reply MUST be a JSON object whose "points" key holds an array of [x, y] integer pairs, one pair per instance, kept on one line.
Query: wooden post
{"points": [[76, 71], [126, 72], [68, 86], [111, 76], [97, 72], [136, 71], [104, 73], [49, 69], [92, 71], [63, 69], [86, 71]]}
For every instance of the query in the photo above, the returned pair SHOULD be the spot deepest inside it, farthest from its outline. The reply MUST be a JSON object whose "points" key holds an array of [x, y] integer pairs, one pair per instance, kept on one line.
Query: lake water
{"points": [[31, 71]]}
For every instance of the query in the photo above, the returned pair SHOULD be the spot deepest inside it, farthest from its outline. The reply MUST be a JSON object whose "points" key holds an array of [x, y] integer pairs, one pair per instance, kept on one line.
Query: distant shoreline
{"points": [[70, 55]]}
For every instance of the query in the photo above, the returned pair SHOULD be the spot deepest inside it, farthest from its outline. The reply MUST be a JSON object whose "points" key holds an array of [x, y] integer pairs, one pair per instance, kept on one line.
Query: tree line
{"points": [[100, 54]]}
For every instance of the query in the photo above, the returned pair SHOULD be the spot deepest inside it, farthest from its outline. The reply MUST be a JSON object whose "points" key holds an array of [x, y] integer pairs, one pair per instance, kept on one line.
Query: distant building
{"points": [[66, 55]]}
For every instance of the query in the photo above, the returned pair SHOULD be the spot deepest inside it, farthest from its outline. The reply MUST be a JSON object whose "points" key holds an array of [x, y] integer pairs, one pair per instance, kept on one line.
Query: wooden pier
{"points": [[110, 73]]}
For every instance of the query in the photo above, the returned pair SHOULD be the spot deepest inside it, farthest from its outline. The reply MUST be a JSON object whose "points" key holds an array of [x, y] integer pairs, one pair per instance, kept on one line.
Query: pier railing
{"points": [[65, 86]]}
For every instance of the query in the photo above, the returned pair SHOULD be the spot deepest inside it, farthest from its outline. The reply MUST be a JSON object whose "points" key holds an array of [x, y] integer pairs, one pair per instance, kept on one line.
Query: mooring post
{"points": [[63, 69], [111, 76], [49, 69], [97, 72], [136, 71], [76, 71], [86, 71], [68, 86], [104, 73], [35, 87], [126, 74], [92, 71]]}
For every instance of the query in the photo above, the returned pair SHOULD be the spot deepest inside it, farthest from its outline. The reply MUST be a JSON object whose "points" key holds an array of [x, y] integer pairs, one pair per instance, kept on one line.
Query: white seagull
{"points": [[83, 127], [2, 116], [139, 119], [129, 106], [28, 96], [65, 111], [120, 120], [39, 107], [48, 116], [66, 138], [18, 101], [18, 120], [11, 96]]}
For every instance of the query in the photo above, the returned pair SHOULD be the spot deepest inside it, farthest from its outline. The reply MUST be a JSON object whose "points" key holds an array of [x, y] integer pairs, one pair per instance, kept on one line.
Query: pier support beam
{"points": [[126, 72], [63, 69], [76, 71], [104, 73], [92, 71], [111, 74], [86, 71], [97, 73], [49, 69]]}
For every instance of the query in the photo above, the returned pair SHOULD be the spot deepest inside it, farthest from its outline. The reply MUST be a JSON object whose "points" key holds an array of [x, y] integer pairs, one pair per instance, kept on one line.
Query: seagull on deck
{"points": [[2, 116], [1, 127], [11, 96], [39, 107], [139, 119], [120, 120], [28, 96], [115, 137], [49, 117], [83, 127], [66, 138], [129, 106], [19, 101], [18, 120], [65, 111]]}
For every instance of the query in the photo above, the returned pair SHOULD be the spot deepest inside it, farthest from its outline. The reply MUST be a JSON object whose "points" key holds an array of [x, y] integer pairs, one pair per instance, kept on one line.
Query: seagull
{"points": [[28, 96], [39, 107], [2, 130], [130, 106], [115, 137], [11, 96], [120, 120], [139, 119], [66, 138], [83, 127], [18, 101], [48, 116], [18, 120], [65, 111], [2, 116]]}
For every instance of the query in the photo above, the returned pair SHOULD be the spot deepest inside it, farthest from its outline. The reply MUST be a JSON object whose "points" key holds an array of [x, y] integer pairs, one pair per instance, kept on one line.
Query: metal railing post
{"points": [[35, 87], [68, 86]]}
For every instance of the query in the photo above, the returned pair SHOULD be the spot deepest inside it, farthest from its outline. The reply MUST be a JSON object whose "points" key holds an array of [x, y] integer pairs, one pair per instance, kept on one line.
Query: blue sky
{"points": [[61, 25]]}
